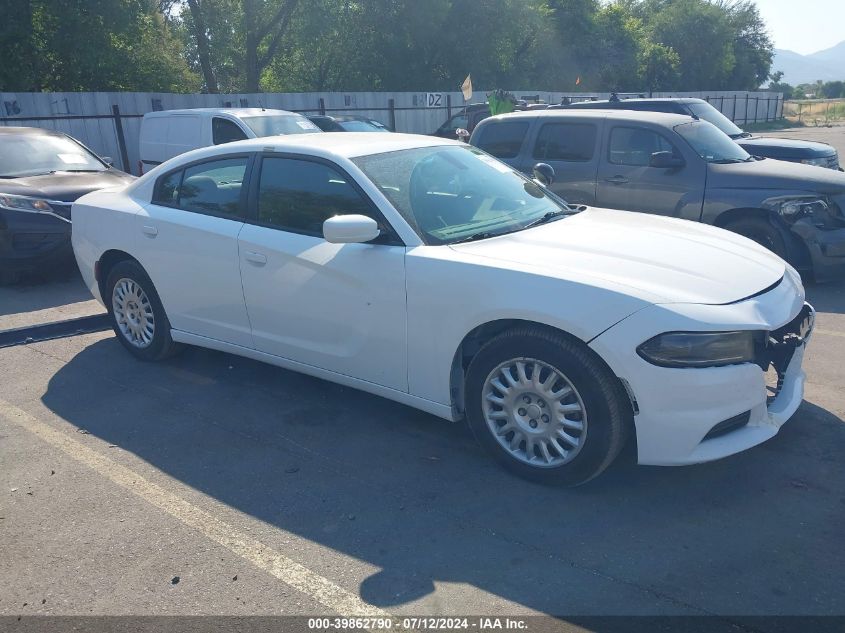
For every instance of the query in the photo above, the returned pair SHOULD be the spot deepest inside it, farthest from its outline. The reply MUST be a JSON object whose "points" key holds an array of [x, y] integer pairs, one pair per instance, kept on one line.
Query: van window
{"points": [[566, 141], [503, 140], [299, 195], [213, 187], [634, 146], [225, 131]]}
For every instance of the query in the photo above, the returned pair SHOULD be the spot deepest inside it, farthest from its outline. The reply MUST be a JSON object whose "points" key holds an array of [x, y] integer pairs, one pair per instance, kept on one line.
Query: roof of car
{"points": [[617, 104], [625, 115], [28, 130], [340, 117], [238, 112], [325, 144]]}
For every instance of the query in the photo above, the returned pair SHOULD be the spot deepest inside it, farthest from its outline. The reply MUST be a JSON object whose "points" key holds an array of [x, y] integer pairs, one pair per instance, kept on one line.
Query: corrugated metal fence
{"points": [[110, 122]]}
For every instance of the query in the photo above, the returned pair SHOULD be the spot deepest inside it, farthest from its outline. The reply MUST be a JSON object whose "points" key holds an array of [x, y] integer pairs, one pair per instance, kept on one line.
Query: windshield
{"points": [[452, 193], [356, 125], [274, 124], [712, 144], [712, 115], [34, 154]]}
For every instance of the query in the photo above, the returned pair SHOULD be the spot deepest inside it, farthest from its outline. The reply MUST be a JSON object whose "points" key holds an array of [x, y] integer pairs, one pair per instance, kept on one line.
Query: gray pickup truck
{"points": [[679, 166]]}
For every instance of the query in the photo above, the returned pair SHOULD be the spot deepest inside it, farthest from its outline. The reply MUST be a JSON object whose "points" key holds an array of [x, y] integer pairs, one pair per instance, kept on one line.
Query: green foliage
{"points": [[413, 45], [67, 45]]}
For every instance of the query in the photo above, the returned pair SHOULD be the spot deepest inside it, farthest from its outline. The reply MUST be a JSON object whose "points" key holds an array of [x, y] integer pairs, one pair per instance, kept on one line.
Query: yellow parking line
{"points": [[301, 578], [828, 332]]}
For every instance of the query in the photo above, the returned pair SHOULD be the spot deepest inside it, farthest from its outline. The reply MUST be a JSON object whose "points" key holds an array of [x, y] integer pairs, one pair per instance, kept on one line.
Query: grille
{"points": [[61, 208], [833, 161], [775, 350]]}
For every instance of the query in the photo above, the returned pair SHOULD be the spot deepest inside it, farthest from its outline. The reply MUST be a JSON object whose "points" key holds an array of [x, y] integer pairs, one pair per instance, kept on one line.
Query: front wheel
{"points": [[136, 312], [546, 406], [761, 231]]}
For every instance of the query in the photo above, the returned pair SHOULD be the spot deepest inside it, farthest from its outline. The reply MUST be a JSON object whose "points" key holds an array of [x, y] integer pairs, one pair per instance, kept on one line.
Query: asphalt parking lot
{"points": [[212, 484]]}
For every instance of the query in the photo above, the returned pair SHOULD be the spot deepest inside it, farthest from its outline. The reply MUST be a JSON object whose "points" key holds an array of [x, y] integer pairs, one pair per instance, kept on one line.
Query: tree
{"points": [[752, 47], [658, 66], [776, 85], [66, 45]]}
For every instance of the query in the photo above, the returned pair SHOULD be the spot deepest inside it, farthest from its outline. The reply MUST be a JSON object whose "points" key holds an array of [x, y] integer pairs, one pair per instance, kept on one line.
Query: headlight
{"points": [[817, 162], [699, 349], [27, 204], [793, 209]]}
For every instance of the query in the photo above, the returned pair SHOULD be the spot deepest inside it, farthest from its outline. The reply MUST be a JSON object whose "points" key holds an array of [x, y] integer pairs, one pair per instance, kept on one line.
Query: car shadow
{"points": [[43, 290], [415, 497]]}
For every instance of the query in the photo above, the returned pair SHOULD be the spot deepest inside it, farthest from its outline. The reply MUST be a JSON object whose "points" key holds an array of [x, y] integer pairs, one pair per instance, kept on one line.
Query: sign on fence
{"points": [[435, 100]]}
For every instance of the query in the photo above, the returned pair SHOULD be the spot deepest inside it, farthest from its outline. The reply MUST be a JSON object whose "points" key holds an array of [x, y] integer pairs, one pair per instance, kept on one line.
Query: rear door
{"points": [[572, 148], [187, 241], [627, 182]]}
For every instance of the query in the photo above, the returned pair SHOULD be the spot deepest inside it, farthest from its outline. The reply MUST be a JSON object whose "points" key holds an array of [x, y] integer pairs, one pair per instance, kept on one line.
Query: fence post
{"points": [[391, 105], [756, 107], [733, 112], [448, 107], [121, 139], [322, 104]]}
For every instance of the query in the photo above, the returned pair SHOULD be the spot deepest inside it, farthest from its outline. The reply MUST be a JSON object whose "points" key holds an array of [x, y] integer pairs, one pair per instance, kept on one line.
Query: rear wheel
{"points": [[546, 406], [138, 318], [761, 231]]}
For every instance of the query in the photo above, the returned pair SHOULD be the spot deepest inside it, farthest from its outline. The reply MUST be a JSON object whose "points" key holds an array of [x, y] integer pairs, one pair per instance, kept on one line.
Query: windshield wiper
{"points": [[547, 217], [481, 235], [729, 161]]}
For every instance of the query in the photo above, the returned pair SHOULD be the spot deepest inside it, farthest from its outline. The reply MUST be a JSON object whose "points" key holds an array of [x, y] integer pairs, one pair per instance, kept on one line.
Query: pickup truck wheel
{"points": [[136, 312], [546, 407], [762, 232]]}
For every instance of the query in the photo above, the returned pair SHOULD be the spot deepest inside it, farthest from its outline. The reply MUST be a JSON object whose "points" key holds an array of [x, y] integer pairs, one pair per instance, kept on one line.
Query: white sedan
{"points": [[427, 272]]}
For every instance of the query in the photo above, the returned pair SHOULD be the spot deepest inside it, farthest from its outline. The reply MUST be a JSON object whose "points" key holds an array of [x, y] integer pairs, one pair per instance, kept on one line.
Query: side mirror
{"points": [[108, 160], [350, 229], [665, 160], [462, 134], [544, 174]]}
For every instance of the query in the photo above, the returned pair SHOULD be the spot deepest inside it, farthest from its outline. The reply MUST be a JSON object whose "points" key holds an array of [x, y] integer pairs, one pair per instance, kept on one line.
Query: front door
{"points": [[339, 307], [627, 182]]}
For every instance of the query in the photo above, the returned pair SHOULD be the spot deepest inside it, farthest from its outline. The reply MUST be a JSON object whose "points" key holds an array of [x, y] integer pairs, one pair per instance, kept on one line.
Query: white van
{"points": [[168, 133]]}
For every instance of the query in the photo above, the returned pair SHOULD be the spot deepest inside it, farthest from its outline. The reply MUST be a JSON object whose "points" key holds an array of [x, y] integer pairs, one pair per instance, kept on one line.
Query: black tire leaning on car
{"points": [[161, 346], [761, 231], [606, 409]]}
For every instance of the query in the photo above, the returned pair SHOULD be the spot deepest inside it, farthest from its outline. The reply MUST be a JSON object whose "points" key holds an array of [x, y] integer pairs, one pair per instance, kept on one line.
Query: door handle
{"points": [[150, 231], [617, 180], [255, 258]]}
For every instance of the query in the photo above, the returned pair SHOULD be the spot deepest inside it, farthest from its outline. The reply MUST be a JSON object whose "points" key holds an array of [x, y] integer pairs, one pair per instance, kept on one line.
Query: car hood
{"points": [[657, 259], [785, 147], [775, 174], [64, 186]]}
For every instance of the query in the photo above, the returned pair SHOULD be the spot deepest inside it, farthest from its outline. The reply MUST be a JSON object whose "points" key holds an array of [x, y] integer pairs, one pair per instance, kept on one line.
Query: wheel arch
{"points": [[797, 252], [476, 338], [105, 264]]}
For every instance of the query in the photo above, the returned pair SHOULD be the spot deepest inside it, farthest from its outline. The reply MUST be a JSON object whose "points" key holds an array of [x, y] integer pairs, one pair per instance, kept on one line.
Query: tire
{"points": [[603, 409], [137, 315], [761, 231]]}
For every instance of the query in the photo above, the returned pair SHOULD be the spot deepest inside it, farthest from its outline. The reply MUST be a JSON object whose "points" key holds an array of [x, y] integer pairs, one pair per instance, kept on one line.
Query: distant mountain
{"points": [[827, 65]]}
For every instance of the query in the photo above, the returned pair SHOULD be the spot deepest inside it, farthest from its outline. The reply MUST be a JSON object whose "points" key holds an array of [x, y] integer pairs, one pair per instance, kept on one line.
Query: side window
{"points": [[634, 146], [212, 188], [459, 120], [225, 131], [167, 189], [503, 140], [566, 141], [299, 195]]}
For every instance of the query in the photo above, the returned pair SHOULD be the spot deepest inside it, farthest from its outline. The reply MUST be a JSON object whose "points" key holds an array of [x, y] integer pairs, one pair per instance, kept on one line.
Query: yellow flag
{"points": [[466, 88]]}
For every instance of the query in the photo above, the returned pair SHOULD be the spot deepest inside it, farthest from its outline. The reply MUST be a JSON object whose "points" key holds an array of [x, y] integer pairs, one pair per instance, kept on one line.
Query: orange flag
{"points": [[578, 81]]}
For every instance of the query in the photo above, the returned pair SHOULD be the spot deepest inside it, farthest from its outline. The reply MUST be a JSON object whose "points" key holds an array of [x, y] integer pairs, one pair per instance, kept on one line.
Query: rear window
{"points": [[574, 142], [503, 140]]}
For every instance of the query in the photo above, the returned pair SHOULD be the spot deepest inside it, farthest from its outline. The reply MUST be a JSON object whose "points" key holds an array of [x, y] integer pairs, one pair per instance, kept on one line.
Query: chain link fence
{"points": [[817, 112]]}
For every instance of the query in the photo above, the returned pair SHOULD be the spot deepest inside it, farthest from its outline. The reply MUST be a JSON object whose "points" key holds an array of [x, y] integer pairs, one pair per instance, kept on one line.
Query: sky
{"points": [[804, 26]]}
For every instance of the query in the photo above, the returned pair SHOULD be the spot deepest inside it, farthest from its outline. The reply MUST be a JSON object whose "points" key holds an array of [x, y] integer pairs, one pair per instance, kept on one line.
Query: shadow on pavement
{"points": [[41, 291], [758, 533]]}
